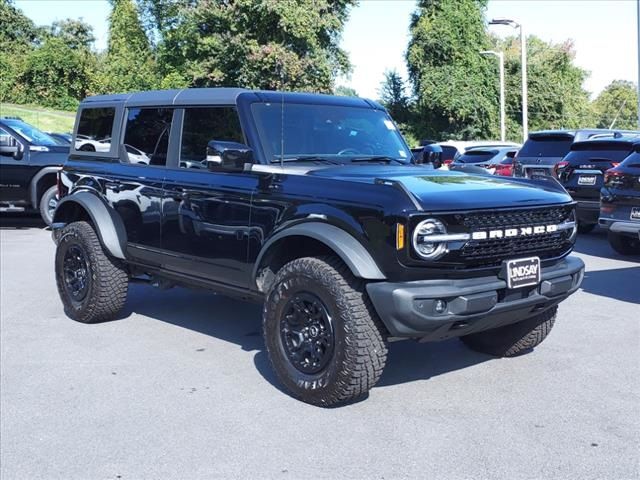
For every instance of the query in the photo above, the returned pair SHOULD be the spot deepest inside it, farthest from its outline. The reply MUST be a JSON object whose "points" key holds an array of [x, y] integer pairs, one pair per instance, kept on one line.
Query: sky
{"points": [[376, 35]]}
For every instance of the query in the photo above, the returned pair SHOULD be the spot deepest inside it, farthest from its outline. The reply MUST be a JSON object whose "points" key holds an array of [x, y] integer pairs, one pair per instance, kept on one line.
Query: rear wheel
{"points": [[586, 227], [624, 244], [512, 340], [322, 335], [92, 286], [48, 204]]}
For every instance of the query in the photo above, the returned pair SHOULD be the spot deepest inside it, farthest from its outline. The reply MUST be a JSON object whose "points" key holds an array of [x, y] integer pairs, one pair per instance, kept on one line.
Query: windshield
{"points": [[327, 132], [31, 133]]}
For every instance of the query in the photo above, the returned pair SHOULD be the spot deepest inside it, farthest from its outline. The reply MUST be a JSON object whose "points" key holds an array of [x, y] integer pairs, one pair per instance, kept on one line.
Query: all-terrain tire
{"points": [[623, 244], [359, 352], [46, 210], [106, 280], [514, 339], [586, 227]]}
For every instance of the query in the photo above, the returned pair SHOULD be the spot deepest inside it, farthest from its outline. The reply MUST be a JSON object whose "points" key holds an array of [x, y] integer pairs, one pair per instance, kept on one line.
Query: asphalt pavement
{"points": [[180, 388]]}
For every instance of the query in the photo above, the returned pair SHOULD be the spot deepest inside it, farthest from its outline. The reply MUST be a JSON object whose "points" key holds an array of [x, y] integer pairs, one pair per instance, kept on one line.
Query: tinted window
{"points": [[31, 133], [147, 131], [448, 152], [95, 124], [597, 155], [327, 131], [476, 156], [551, 146], [200, 126], [632, 161]]}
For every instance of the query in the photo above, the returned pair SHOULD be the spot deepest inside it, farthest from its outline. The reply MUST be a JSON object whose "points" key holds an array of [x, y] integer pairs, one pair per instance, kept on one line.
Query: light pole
{"points": [[523, 63], [500, 56]]}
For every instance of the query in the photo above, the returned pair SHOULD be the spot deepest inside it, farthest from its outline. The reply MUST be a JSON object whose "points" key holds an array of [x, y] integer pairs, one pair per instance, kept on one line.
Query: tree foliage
{"points": [[129, 64], [272, 44], [76, 34], [454, 86], [617, 105], [393, 94]]}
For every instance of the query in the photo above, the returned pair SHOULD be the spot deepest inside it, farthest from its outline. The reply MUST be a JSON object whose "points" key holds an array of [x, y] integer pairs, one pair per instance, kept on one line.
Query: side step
{"points": [[10, 208]]}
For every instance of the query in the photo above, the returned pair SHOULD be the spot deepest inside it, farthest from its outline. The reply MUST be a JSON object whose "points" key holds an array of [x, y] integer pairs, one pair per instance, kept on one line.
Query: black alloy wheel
{"points": [[306, 333], [76, 273]]}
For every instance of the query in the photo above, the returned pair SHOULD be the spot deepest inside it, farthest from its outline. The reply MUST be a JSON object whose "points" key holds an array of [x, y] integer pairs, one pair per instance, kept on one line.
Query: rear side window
{"points": [[95, 129], [632, 161], [551, 146], [477, 156], [200, 126], [146, 135]]}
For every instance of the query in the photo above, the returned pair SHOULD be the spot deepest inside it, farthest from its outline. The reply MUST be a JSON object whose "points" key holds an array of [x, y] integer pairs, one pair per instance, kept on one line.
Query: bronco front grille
{"points": [[491, 252]]}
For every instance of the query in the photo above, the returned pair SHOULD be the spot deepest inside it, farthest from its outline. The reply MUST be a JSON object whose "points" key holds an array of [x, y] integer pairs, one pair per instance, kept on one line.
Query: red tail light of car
{"points": [[504, 170], [447, 162], [614, 178], [559, 167]]}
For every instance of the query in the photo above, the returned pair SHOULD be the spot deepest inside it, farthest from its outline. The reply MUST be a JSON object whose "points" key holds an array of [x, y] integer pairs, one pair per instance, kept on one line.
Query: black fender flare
{"points": [[33, 186], [108, 224], [350, 250]]}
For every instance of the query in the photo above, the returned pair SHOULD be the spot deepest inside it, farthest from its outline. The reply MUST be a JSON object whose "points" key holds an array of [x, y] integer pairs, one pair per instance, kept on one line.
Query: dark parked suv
{"points": [[620, 204], [543, 150], [313, 205], [29, 163], [582, 171]]}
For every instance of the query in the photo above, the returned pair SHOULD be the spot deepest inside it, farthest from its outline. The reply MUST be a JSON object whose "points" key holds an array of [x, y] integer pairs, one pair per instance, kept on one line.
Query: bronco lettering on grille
{"points": [[514, 232]]}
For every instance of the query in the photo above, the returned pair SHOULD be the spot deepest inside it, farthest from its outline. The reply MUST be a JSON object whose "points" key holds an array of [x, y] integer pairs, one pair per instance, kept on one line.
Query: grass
{"points": [[45, 119]]}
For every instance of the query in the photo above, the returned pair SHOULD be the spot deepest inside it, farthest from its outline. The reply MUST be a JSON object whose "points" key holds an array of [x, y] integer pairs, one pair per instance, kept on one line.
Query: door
{"points": [[206, 214], [15, 173]]}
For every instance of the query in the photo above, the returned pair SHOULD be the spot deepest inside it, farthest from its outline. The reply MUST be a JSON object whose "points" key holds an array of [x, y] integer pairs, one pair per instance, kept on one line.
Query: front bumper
{"points": [[408, 309]]}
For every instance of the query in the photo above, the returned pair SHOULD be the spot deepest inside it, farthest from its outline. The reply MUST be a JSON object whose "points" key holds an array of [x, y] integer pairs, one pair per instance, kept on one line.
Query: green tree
{"points": [[76, 34], [268, 44], [393, 95], [345, 91], [129, 63], [55, 75], [454, 86], [555, 93], [617, 105]]}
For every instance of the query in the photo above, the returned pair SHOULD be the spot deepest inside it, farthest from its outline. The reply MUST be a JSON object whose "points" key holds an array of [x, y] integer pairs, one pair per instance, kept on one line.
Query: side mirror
{"points": [[228, 156], [15, 151]]}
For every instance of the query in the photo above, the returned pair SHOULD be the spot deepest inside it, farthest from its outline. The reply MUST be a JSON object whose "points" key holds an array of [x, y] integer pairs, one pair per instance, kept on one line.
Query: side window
{"points": [[200, 126], [95, 129], [146, 135]]}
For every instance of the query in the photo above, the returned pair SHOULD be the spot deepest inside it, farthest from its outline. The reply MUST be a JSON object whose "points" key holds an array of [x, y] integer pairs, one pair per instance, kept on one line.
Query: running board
{"points": [[11, 208]]}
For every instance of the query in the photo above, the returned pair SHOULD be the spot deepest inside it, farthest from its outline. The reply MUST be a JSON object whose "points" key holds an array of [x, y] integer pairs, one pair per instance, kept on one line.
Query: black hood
{"points": [[447, 190]]}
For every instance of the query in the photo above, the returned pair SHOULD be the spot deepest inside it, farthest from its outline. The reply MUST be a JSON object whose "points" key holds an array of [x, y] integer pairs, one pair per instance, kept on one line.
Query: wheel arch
{"points": [[107, 223], [319, 238], [44, 179]]}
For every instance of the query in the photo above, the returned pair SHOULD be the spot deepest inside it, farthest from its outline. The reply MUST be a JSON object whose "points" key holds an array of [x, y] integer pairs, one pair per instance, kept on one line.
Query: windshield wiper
{"points": [[305, 158], [380, 158]]}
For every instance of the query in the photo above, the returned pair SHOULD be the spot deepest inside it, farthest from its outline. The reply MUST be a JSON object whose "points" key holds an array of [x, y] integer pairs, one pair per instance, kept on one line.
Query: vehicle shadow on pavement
{"points": [[596, 244], [18, 221], [240, 322], [619, 284]]}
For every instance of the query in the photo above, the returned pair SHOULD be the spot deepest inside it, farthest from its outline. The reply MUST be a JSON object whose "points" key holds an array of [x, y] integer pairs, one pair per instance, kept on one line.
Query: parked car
{"points": [[63, 139], [88, 144], [29, 162], [495, 161], [543, 150], [454, 148], [620, 204], [314, 206], [581, 173]]}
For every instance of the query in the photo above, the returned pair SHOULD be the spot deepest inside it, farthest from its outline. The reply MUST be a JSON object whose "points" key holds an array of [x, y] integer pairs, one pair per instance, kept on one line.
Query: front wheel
{"points": [[92, 286], [48, 204], [623, 244], [322, 335], [514, 339]]}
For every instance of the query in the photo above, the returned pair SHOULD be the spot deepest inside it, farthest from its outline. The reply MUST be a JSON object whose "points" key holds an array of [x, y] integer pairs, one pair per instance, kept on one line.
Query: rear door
{"points": [[206, 213]]}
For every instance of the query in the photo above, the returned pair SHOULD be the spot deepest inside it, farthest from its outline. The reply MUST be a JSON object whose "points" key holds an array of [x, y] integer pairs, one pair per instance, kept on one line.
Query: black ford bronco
{"points": [[315, 206], [29, 164]]}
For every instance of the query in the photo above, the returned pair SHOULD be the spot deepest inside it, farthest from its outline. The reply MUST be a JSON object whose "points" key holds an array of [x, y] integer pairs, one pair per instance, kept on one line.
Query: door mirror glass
{"points": [[228, 156]]}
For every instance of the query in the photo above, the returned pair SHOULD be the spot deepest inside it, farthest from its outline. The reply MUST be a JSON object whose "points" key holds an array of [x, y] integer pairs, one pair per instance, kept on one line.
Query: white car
{"points": [[87, 144], [451, 149], [136, 156]]}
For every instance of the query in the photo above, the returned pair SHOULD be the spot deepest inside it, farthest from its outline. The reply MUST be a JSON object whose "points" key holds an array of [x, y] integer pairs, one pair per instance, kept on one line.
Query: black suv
{"points": [[29, 162], [543, 150], [620, 204], [582, 170], [314, 205]]}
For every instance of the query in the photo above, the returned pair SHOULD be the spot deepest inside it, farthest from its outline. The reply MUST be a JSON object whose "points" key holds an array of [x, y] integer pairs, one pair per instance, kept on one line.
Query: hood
{"points": [[448, 190]]}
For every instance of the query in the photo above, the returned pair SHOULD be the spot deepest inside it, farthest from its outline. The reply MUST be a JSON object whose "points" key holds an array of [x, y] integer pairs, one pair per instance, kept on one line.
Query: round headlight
{"points": [[426, 249]]}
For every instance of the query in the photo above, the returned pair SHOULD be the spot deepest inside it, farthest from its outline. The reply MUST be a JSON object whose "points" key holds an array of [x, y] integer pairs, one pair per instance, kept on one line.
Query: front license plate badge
{"points": [[523, 272]]}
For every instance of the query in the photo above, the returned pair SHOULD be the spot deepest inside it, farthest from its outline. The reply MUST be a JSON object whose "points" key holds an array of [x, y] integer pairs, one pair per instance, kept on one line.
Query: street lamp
{"points": [[500, 56], [523, 61]]}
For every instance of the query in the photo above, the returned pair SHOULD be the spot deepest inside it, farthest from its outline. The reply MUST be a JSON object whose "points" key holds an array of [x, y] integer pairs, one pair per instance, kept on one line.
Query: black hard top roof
{"points": [[580, 134], [627, 140], [223, 96]]}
